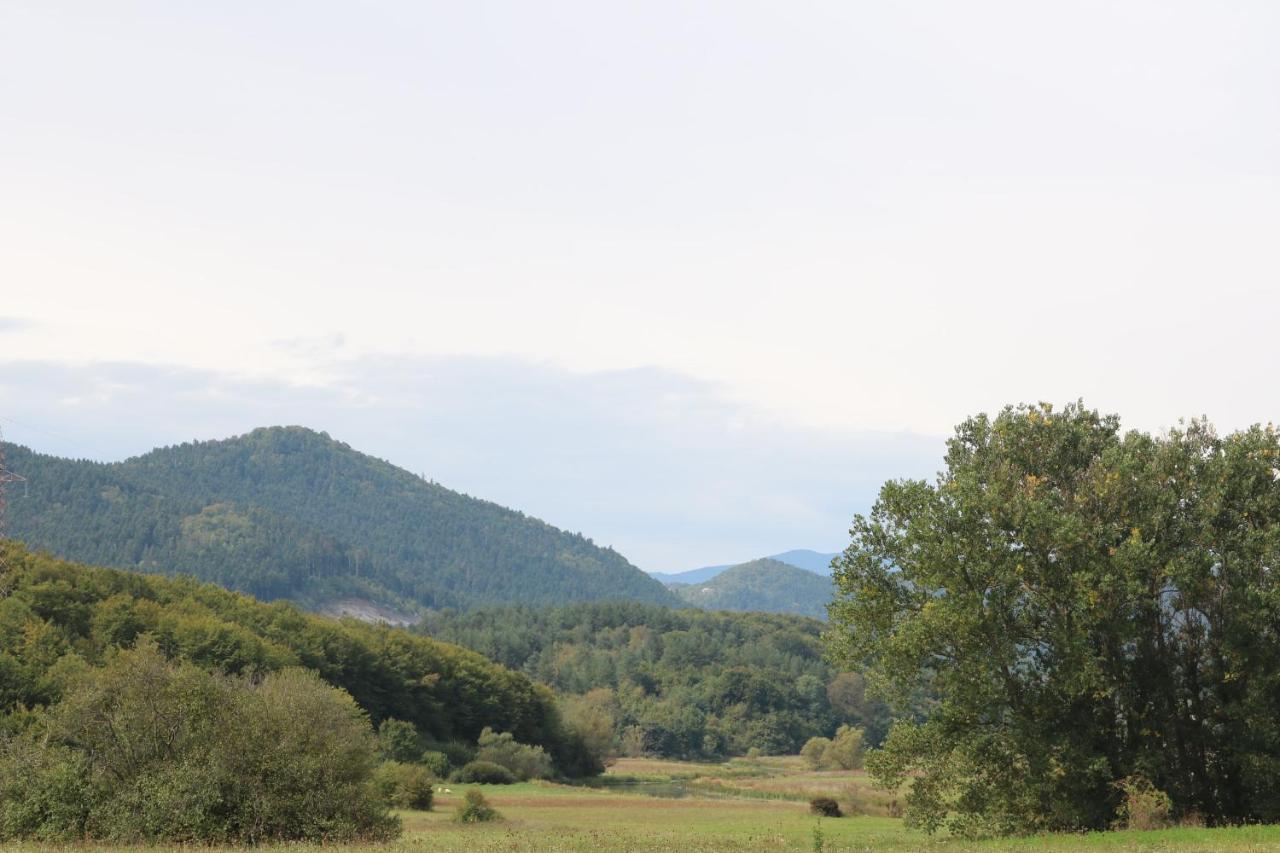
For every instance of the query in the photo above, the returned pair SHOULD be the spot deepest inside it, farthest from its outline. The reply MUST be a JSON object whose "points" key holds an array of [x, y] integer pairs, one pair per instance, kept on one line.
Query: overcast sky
{"points": [[691, 278]]}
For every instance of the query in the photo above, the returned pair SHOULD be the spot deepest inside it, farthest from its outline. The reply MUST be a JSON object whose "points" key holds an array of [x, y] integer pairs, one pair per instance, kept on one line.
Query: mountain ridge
{"points": [[764, 585], [802, 558], [289, 512]]}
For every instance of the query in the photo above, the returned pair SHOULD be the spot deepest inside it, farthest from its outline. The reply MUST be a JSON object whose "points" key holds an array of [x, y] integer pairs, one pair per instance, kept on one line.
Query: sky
{"points": [[690, 278]]}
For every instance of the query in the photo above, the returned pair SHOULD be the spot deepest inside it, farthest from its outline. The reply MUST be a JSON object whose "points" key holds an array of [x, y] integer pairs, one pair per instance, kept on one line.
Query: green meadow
{"points": [[644, 804]]}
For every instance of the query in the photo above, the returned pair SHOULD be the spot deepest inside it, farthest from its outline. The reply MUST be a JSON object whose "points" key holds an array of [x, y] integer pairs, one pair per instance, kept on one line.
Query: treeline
{"points": [[286, 512], [646, 679], [57, 617]]}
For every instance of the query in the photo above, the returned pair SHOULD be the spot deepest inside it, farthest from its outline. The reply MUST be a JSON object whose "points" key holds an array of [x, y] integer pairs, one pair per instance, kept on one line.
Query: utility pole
{"points": [[6, 477]]}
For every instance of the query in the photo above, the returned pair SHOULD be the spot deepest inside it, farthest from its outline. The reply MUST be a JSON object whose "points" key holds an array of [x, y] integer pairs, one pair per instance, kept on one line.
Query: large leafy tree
{"points": [[1087, 605]]}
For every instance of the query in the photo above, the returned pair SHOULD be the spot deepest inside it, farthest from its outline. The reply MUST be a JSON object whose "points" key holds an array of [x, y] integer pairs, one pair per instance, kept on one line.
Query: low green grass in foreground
{"points": [[751, 806]]}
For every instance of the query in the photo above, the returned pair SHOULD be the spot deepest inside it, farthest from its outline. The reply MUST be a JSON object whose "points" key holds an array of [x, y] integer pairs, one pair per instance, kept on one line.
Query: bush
{"points": [[524, 761], [399, 741], [457, 752], [825, 807], [813, 751], [1144, 805], [474, 808], [405, 786], [484, 773], [436, 762], [45, 794], [845, 750], [142, 750]]}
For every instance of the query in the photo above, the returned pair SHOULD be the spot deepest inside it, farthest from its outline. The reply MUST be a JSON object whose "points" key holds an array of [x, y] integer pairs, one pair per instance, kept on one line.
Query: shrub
{"points": [[484, 773], [524, 761], [825, 807], [457, 752], [45, 794], [813, 751], [399, 741], [142, 750], [845, 750], [405, 786], [436, 762], [474, 808], [1144, 805]]}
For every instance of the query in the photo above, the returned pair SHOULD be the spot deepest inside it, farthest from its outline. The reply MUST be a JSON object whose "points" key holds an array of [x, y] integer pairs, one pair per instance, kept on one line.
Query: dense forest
{"points": [[677, 683], [291, 513], [766, 585], [57, 618]]}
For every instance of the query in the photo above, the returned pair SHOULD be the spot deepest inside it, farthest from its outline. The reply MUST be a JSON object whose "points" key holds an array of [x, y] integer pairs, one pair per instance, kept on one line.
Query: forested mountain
{"points": [[286, 512], [677, 683], [801, 558], [766, 585], [56, 618]]}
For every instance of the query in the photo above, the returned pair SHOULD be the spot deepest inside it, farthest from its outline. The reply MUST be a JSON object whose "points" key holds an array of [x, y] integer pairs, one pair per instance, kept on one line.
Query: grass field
{"points": [[646, 805]]}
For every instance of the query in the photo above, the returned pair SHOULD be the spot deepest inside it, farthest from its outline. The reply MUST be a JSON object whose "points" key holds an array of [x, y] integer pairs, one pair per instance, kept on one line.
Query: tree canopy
{"points": [[1089, 606], [675, 683], [58, 617]]}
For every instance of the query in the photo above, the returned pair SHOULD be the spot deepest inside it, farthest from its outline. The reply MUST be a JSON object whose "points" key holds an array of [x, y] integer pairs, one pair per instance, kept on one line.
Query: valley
{"points": [[744, 805]]}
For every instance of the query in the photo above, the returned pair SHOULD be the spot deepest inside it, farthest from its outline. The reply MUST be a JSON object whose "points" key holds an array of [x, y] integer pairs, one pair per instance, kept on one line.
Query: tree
{"points": [[399, 741], [1087, 606], [593, 718]]}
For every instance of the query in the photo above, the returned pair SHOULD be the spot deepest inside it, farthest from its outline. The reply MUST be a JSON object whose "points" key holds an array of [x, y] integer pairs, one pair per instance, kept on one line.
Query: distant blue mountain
{"points": [[705, 573], [765, 586], [819, 564], [813, 561]]}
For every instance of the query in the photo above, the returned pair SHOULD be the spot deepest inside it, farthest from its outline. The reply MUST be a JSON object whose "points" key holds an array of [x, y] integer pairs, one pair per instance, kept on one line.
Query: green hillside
{"points": [[56, 618], [766, 585], [678, 683], [286, 512]]}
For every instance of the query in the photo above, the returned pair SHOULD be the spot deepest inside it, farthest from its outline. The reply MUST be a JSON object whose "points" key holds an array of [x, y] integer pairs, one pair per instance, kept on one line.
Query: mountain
{"points": [[705, 573], [287, 512], [766, 585], [801, 558], [810, 561]]}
